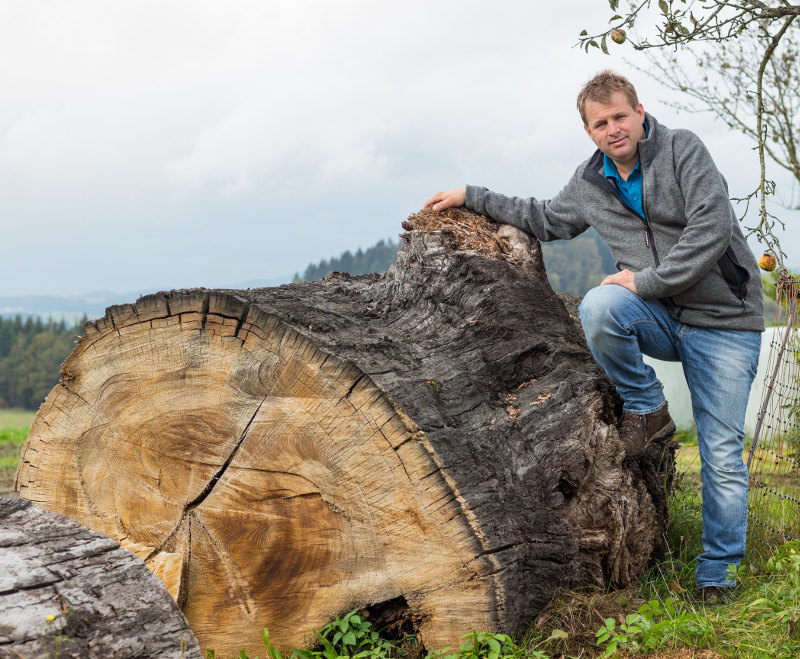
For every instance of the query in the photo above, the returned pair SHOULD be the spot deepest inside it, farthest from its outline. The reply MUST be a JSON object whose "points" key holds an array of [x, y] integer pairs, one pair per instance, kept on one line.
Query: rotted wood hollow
{"points": [[437, 436]]}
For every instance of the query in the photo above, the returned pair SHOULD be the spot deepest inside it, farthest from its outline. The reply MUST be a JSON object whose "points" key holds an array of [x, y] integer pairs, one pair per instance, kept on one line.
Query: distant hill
{"points": [[93, 305], [53, 307]]}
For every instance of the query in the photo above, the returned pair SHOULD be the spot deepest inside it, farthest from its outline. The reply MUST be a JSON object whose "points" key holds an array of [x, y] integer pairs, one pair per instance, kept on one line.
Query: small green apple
{"points": [[618, 35]]}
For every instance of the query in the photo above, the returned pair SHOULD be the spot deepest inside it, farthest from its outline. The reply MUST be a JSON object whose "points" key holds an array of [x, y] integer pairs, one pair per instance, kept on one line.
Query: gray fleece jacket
{"points": [[690, 252]]}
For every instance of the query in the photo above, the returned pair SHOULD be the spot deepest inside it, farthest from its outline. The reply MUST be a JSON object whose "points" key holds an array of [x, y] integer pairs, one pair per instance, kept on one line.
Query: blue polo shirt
{"points": [[630, 191]]}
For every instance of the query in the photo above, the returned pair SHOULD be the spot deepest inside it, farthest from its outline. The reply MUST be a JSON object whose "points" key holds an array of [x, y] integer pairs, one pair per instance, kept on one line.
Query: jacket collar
{"points": [[648, 146]]}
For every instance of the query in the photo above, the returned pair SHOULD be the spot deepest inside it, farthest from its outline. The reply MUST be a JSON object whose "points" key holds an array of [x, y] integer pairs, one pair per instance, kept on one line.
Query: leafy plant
{"points": [[786, 560], [349, 637], [652, 627], [272, 652], [484, 645], [353, 636]]}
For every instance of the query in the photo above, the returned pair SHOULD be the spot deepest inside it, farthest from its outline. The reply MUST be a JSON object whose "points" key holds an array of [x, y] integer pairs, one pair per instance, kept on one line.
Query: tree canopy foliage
{"points": [[742, 66], [31, 354]]}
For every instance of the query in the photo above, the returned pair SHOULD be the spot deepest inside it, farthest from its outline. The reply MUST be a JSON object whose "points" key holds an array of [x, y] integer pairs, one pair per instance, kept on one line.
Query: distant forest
{"points": [[374, 259], [31, 353], [573, 266]]}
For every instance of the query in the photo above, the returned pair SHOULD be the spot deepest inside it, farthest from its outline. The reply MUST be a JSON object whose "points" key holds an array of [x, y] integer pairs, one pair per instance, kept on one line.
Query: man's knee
{"points": [[597, 307]]}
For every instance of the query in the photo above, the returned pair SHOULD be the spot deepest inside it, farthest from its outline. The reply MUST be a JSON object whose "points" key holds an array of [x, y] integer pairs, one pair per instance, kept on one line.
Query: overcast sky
{"points": [[149, 145]]}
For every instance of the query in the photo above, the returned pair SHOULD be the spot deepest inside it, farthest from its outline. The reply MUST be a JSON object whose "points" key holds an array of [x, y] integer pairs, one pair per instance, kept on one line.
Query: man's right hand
{"points": [[447, 198]]}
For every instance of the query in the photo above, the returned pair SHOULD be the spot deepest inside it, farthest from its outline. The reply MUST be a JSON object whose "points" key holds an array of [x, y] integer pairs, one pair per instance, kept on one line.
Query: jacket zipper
{"points": [[648, 234], [650, 245], [650, 242]]}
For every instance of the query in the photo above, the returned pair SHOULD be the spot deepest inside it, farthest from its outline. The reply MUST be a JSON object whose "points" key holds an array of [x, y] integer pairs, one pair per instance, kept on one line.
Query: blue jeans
{"points": [[719, 366]]}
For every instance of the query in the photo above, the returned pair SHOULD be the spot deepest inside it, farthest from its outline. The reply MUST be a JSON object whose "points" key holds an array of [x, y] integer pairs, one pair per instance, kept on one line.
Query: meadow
{"points": [[662, 617]]}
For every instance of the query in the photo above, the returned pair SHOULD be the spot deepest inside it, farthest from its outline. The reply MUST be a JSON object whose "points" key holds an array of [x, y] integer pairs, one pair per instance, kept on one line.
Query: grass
{"points": [[13, 436], [14, 427]]}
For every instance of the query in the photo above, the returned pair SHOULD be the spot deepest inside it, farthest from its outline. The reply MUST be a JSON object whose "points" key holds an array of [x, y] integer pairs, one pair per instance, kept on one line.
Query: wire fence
{"points": [[774, 456]]}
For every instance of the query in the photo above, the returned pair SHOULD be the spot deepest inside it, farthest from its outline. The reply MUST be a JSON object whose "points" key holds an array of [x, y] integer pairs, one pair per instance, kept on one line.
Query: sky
{"points": [[179, 143]]}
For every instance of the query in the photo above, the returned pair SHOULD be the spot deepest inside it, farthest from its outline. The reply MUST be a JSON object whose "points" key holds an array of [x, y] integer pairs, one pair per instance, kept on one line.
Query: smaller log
{"points": [[69, 591]]}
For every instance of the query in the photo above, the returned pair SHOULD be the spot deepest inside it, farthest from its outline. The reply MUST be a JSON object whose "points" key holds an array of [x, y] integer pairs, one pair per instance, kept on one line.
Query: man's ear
{"points": [[586, 128], [640, 112]]}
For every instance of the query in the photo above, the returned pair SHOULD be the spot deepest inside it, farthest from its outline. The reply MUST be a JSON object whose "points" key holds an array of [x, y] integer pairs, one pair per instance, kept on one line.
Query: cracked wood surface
{"points": [[68, 591], [439, 434]]}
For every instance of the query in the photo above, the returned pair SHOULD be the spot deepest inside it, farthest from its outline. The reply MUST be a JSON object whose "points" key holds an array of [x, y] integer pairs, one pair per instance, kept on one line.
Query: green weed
{"points": [[349, 637], [483, 645], [655, 626]]}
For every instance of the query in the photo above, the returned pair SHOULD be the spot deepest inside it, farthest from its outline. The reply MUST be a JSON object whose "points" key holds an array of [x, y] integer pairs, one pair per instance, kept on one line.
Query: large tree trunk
{"points": [[437, 437], [68, 591]]}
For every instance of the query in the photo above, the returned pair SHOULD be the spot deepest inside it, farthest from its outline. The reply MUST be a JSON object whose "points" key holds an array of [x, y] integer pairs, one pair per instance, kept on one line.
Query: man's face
{"points": [[616, 128]]}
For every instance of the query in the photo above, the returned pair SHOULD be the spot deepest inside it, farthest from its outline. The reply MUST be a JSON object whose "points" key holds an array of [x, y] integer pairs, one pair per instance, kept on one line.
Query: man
{"points": [[688, 289]]}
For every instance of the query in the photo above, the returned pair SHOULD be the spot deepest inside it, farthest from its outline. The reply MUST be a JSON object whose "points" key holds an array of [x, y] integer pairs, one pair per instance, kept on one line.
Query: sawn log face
{"points": [[439, 433]]}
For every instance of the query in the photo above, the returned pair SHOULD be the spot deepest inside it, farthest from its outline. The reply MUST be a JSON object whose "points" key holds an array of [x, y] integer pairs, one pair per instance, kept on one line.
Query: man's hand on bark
{"points": [[624, 278], [447, 198]]}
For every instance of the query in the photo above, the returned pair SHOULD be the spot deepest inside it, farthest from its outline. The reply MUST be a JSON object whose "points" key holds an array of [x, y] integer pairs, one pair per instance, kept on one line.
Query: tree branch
{"points": [[764, 227]]}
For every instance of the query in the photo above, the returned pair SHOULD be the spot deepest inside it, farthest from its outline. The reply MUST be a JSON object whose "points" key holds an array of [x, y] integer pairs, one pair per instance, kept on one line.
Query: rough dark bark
{"points": [[68, 591], [437, 436]]}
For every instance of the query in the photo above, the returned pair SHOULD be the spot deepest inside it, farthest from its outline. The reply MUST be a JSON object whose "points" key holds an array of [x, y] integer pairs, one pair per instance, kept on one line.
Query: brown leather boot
{"points": [[714, 595], [637, 431]]}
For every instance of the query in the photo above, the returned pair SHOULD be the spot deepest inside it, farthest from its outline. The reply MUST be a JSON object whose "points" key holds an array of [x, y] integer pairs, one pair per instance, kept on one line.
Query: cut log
{"points": [[69, 591], [438, 437]]}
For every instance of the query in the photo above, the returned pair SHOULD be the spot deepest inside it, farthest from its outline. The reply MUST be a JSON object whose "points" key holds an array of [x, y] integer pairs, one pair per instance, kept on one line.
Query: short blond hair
{"points": [[600, 88]]}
